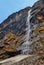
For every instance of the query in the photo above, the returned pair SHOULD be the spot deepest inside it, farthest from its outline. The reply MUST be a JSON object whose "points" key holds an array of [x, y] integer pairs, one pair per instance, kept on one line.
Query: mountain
{"points": [[14, 23], [12, 31]]}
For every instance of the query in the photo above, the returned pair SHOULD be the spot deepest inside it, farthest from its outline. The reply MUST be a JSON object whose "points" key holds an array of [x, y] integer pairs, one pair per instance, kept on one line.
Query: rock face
{"points": [[12, 30], [37, 27]]}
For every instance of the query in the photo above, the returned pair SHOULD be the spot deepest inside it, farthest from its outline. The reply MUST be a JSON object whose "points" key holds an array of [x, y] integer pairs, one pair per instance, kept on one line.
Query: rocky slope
{"points": [[24, 60], [37, 27], [12, 31]]}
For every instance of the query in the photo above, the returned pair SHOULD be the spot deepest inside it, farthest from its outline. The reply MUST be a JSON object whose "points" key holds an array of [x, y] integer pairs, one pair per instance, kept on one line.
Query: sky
{"points": [[7, 7]]}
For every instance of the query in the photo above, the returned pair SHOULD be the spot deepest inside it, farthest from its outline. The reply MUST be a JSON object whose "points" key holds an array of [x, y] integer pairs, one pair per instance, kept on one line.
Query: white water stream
{"points": [[26, 46]]}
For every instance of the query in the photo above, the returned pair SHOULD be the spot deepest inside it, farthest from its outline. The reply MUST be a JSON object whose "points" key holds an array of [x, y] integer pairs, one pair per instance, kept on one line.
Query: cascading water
{"points": [[26, 46], [28, 27]]}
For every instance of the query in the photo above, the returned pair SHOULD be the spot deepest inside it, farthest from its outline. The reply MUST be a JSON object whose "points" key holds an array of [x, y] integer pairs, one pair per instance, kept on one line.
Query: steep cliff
{"points": [[12, 31], [37, 27]]}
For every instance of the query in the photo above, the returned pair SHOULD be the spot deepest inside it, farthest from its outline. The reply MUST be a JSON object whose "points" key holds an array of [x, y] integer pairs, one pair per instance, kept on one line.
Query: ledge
{"points": [[23, 60]]}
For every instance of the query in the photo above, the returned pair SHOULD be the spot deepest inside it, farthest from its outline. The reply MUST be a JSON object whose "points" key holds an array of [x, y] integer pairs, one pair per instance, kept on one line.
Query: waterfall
{"points": [[28, 28], [26, 46]]}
